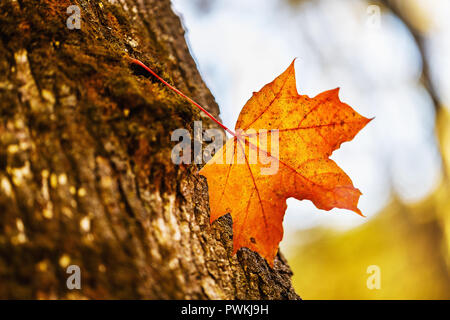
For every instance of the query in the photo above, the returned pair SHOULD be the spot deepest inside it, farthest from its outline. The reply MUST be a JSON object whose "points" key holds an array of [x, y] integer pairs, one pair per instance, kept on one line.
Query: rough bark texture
{"points": [[85, 170]]}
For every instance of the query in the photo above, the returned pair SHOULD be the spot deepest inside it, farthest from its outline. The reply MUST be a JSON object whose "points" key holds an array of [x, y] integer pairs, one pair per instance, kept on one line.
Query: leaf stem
{"points": [[174, 89]]}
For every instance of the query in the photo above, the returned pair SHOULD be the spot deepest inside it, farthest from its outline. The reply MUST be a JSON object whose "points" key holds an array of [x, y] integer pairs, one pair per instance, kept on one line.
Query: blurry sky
{"points": [[240, 45]]}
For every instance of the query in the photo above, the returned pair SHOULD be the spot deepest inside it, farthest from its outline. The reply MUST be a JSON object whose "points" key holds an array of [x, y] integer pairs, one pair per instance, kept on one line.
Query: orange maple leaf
{"points": [[309, 130]]}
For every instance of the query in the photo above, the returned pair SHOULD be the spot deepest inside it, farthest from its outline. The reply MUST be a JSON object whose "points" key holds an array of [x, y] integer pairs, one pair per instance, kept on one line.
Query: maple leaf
{"points": [[309, 130]]}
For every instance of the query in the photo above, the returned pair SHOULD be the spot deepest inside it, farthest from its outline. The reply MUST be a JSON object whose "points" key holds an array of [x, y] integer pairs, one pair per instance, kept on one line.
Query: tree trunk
{"points": [[86, 176]]}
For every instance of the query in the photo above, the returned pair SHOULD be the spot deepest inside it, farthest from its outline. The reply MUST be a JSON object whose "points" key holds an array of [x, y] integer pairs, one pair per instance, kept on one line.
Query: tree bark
{"points": [[86, 176]]}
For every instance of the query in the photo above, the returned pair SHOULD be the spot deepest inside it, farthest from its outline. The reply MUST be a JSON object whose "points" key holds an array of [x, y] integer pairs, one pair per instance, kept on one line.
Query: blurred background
{"points": [[391, 60]]}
